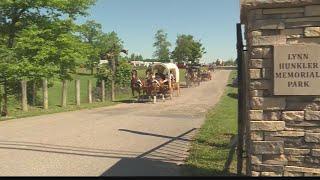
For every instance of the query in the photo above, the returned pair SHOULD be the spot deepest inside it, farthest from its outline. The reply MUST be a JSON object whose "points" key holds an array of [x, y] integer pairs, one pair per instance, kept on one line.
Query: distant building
{"points": [[137, 63], [142, 63], [103, 62]]}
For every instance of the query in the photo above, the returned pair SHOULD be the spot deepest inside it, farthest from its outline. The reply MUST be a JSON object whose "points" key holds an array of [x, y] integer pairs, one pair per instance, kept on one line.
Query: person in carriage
{"points": [[172, 77], [159, 78]]}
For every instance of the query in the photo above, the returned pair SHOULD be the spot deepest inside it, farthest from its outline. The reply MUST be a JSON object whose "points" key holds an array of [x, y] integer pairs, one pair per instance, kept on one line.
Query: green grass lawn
{"points": [[54, 98], [210, 149]]}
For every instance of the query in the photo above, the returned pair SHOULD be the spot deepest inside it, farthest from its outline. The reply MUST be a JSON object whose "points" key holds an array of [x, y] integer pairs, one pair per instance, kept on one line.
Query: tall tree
{"points": [[138, 57], [90, 33], [110, 47], [53, 21], [132, 57], [188, 50], [162, 46]]}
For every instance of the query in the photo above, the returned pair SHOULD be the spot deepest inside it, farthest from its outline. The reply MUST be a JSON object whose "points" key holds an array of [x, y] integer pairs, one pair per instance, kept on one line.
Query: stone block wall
{"points": [[284, 131]]}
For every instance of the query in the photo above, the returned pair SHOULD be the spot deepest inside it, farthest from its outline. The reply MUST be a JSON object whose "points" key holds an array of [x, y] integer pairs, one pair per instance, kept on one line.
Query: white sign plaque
{"points": [[296, 69]]}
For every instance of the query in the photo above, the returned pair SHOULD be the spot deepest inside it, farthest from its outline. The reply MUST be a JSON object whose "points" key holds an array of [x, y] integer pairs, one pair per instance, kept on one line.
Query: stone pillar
{"points": [[284, 129]]}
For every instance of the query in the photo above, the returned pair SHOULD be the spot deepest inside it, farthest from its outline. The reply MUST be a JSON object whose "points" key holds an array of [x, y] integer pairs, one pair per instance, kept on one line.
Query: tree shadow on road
{"points": [[161, 160], [142, 167]]}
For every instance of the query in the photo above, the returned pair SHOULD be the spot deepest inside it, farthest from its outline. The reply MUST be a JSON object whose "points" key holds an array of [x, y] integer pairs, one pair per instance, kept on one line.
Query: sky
{"points": [[136, 22]]}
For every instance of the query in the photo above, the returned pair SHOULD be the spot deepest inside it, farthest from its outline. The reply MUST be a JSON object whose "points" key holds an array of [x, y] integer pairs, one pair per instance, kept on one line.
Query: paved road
{"points": [[126, 139]]}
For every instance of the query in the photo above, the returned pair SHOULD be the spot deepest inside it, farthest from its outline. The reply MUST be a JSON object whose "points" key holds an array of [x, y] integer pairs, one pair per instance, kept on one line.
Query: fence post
{"points": [[4, 111], [0, 100], [34, 92], [45, 93], [24, 95], [64, 94], [78, 92], [113, 80], [89, 92], [103, 92]]}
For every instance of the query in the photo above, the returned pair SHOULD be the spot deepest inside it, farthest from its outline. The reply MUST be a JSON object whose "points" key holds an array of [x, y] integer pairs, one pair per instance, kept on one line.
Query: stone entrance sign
{"points": [[283, 85], [296, 70]]}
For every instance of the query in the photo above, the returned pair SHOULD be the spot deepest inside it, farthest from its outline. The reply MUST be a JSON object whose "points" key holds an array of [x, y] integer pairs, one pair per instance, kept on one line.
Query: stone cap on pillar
{"points": [[247, 5]]}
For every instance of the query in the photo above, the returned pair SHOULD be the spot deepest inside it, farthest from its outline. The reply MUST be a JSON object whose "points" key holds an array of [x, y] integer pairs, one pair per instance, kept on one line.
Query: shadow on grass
{"points": [[233, 95], [84, 74], [197, 171], [216, 145], [199, 168], [231, 85], [224, 145]]}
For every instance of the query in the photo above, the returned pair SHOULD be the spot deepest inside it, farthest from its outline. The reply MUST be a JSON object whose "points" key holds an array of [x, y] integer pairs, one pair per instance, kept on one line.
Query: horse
{"points": [[192, 77], [155, 85], [206, 75], [136, 83]]}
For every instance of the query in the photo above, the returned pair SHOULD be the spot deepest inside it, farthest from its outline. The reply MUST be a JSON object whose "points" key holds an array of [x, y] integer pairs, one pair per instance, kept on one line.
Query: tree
{"points": [[188, 50], [162, 46], [90, 33], [110, 47], [140, 58], [230, 62], [134, 57], [122, 74], [53, 21]]}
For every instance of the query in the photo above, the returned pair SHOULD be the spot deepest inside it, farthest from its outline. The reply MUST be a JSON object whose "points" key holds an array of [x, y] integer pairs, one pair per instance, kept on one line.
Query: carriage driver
{"points": [[149, 76], [134, 75]]}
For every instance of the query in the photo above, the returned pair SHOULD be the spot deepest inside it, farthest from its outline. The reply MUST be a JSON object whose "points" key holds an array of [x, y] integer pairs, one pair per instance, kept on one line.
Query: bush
{"points": [[122, 75]]}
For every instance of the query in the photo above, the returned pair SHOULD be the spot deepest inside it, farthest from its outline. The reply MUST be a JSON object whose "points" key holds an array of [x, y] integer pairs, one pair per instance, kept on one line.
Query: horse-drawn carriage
{"points": [[206, 75], [161, 80], [192, 75]]}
